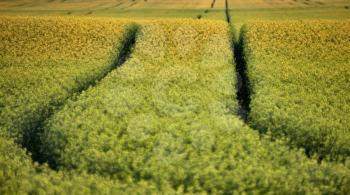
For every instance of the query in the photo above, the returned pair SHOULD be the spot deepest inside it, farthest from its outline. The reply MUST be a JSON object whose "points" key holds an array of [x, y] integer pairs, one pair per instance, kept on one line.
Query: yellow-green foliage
{"points": [[167, 116], [299, 76], [43, 61], [162, 123], [18, 175]]}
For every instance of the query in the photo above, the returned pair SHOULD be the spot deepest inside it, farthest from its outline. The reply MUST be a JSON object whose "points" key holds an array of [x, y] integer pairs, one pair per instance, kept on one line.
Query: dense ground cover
{"points": [[167, 116], [44, 61], [166, 121], [19, 175], [299, 80]]}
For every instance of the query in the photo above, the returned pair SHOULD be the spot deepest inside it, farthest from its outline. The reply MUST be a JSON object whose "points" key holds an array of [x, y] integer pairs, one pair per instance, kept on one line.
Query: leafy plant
{"points": [[299, 79], [45, 60], [19, 175], [168, 117]]}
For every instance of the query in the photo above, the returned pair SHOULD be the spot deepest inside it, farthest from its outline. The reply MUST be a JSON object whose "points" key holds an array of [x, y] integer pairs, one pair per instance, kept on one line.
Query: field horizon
{"points": [[202, 9]]}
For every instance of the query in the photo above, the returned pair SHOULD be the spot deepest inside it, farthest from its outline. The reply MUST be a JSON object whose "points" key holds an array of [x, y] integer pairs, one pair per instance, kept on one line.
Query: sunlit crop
{"points": [[165, 120], [18, 175], [168, 117], [43, 61], [299, 75]]}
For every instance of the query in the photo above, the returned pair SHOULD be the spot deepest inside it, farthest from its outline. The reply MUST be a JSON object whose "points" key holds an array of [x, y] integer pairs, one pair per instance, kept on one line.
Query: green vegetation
{"points": [[86, 110], [18, 175], [167, 116], [44, 61], [299, 80]]}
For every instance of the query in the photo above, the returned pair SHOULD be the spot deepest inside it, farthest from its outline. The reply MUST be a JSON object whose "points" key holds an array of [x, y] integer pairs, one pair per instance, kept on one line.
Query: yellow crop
{"points": [[44, 60], [162, 123], [299, 74]]}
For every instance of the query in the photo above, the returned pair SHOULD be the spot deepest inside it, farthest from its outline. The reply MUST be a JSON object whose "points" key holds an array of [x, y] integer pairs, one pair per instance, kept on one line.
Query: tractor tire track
{"points": [[31, 137], [199, 16], [242, 86]]}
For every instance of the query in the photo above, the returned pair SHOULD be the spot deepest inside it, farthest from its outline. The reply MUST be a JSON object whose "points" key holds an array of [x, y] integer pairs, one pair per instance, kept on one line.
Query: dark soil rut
{"points": [[243, 93]]}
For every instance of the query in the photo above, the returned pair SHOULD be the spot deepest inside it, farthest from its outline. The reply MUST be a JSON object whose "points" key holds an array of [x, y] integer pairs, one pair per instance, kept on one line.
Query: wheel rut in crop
{"points": [[243, 92], [31, 137], [212, 4], [199, 16], [227, 12]]}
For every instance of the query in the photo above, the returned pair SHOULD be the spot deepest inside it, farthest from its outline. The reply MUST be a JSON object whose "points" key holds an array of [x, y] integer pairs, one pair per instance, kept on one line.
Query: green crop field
{"points": [[46, 60], [299, 75], [175, 97]]}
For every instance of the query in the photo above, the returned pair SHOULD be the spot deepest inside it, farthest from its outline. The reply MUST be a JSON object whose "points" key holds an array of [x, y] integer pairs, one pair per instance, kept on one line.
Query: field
{"points": [[244, 10], [37, 77], [305, 95], [174, 97]]}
